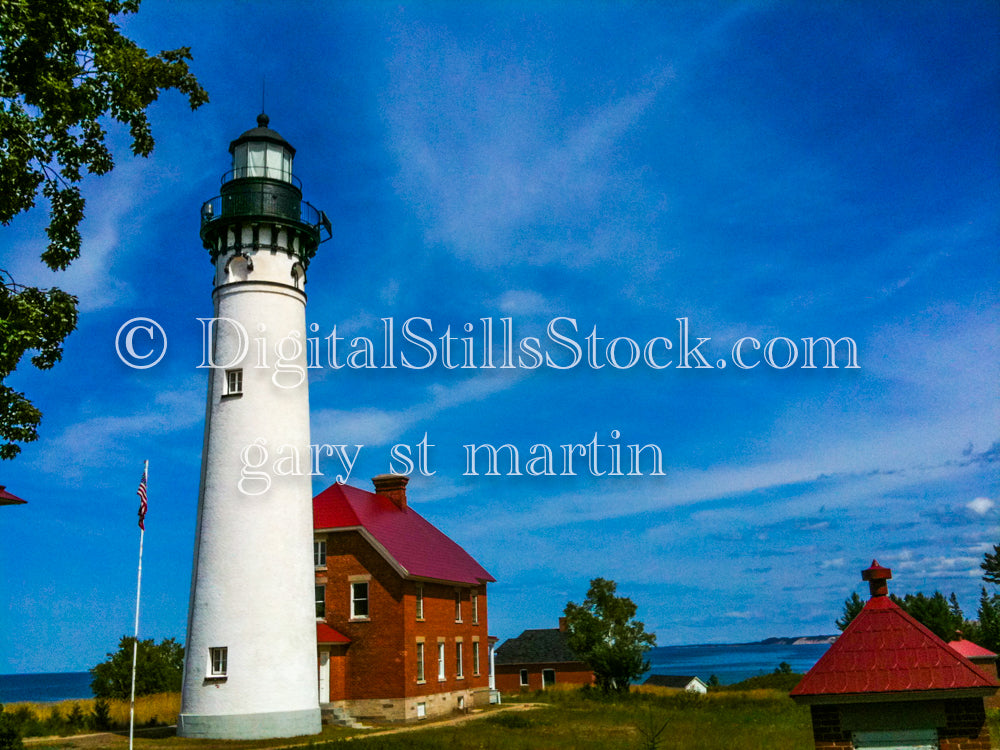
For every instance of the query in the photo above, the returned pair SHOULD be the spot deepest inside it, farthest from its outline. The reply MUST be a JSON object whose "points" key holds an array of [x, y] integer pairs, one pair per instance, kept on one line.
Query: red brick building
{"points": [[400, 608], [538, 659], [888, 681]]}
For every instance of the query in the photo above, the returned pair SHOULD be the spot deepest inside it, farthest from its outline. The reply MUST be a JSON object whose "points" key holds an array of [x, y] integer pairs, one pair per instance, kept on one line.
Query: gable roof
{"points": [[671, 680], [542, 646], [410, 543], [885, 650]]}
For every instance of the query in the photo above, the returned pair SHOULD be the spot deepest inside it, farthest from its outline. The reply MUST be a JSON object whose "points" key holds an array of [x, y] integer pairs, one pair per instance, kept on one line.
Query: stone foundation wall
{"points": [[407, 709]]}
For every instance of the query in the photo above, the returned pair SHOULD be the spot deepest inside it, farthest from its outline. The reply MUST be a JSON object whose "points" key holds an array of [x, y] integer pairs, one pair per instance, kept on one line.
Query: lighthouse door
{"points": [[324, 676]]}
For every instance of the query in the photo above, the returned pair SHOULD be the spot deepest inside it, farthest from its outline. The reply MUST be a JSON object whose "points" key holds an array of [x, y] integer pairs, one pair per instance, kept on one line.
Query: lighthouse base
{"points": [[258, 726]]}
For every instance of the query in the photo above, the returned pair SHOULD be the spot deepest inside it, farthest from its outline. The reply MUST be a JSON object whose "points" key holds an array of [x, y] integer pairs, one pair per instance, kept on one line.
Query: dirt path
{"points": [[471, 716]]}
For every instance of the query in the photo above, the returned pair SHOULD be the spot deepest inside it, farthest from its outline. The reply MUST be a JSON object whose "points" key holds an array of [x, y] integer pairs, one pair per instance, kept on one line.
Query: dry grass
{"points": [[162, 708]]}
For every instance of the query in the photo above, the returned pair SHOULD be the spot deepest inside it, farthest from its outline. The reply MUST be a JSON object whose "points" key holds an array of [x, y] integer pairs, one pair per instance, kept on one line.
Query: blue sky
{"points": [[761, 169]]}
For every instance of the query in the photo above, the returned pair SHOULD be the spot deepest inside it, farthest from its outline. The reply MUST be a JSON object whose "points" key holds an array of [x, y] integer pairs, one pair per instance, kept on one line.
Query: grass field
{"points": [[649, 719]]}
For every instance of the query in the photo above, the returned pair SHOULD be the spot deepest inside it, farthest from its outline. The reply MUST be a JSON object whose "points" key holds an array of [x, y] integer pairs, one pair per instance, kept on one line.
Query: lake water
{"points": [[732, 663], [57, 686], [728, 663]]}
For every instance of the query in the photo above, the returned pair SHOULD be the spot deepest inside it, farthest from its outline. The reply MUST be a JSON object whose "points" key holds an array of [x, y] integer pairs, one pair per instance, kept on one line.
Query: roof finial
{"points": [[877, 576]]}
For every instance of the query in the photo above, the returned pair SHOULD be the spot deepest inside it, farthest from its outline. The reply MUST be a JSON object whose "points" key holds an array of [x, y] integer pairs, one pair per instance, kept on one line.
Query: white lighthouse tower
{"points": [[250, 661]]}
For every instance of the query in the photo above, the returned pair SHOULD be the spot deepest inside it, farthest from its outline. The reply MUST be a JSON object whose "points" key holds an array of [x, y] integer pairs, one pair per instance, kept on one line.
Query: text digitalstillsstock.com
{"points": [[261, 463], [494, 347]]}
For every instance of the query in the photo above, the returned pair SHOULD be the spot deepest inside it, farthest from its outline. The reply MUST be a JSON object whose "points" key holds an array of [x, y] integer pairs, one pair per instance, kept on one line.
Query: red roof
{"points": [[408, 541], [8, 499], [971, 650], [885, 650], [326, 634]]}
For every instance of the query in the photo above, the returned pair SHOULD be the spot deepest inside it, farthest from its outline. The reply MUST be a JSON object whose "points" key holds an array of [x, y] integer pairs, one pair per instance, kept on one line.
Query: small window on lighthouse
{"points": [[218, 657], [234, 382]]}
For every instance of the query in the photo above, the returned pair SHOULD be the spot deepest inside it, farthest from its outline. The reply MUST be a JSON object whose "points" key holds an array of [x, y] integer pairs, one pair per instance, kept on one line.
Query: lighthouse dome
{"points": [[262, 133]]}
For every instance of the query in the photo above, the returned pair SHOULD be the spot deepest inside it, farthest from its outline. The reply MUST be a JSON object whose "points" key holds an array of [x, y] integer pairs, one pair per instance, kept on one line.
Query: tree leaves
{"points": [[604, 633], [30, 319], [65, 70], [159, 669]]}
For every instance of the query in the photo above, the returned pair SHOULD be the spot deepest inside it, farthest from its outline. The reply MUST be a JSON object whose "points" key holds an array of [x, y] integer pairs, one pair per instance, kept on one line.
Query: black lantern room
{"points": [[261, 188]]}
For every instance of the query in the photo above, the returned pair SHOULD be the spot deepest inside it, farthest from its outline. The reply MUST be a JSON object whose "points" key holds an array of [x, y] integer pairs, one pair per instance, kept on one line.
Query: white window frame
{"points": [[218, 662], [459, 661], [319, 553], [524, 678], [546, 684], [355, 599], [475, 609], [421, 674], [234, 382], [320, 601], [441, 673], [420, 601], [458, 605], [475, 658]]}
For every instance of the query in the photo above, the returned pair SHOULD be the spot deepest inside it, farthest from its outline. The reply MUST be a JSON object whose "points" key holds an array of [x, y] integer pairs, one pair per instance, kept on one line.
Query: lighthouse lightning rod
{"points": [[138, 590]]}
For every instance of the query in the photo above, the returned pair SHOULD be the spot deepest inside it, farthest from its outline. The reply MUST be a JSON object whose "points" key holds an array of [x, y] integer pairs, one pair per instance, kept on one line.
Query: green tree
{"points": [[604, 633], [989, 621], [991, 565], [852, 608], [10, 734], [65, 70], [159, 668], [934, 612]]}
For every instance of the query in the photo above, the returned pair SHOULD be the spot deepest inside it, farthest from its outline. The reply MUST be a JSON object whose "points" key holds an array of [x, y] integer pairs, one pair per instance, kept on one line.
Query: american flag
{"points": [[141, 492]]}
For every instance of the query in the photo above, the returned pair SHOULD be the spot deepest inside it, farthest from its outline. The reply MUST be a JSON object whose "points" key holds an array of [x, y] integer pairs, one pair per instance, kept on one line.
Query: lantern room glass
{"points": [[262, 159]]}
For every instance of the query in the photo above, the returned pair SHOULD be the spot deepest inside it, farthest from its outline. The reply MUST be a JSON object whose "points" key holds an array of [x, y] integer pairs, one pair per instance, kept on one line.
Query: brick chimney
{"points": [[877, 576], [562, 624], [392, 486]]}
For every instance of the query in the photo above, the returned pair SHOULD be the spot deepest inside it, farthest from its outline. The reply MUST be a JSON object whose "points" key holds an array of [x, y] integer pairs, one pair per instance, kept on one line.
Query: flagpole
{"points": [[138, 590]]}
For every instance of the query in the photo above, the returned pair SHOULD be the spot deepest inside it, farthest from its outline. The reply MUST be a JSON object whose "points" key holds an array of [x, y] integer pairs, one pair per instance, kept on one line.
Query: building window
{"points": [[234, 382], [475, 658], [320, 602], [458, 606], [421, 710], [420, 601], [524, 678], [441, 660], [475, 609], [420, 662], [359, 601], [218, 657], [548, 678], [319, 553], [459, 664]]}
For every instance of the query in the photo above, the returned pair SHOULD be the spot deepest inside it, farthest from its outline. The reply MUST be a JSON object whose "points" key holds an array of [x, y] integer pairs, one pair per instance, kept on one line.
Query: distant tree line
{"points": [[943, 616]]}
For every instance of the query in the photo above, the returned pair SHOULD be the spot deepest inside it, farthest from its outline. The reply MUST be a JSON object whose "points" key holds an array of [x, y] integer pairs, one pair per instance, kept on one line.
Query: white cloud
{"points": [[107, 440], [487, 160], [523, 302], [981, 505], [372, 426]]}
